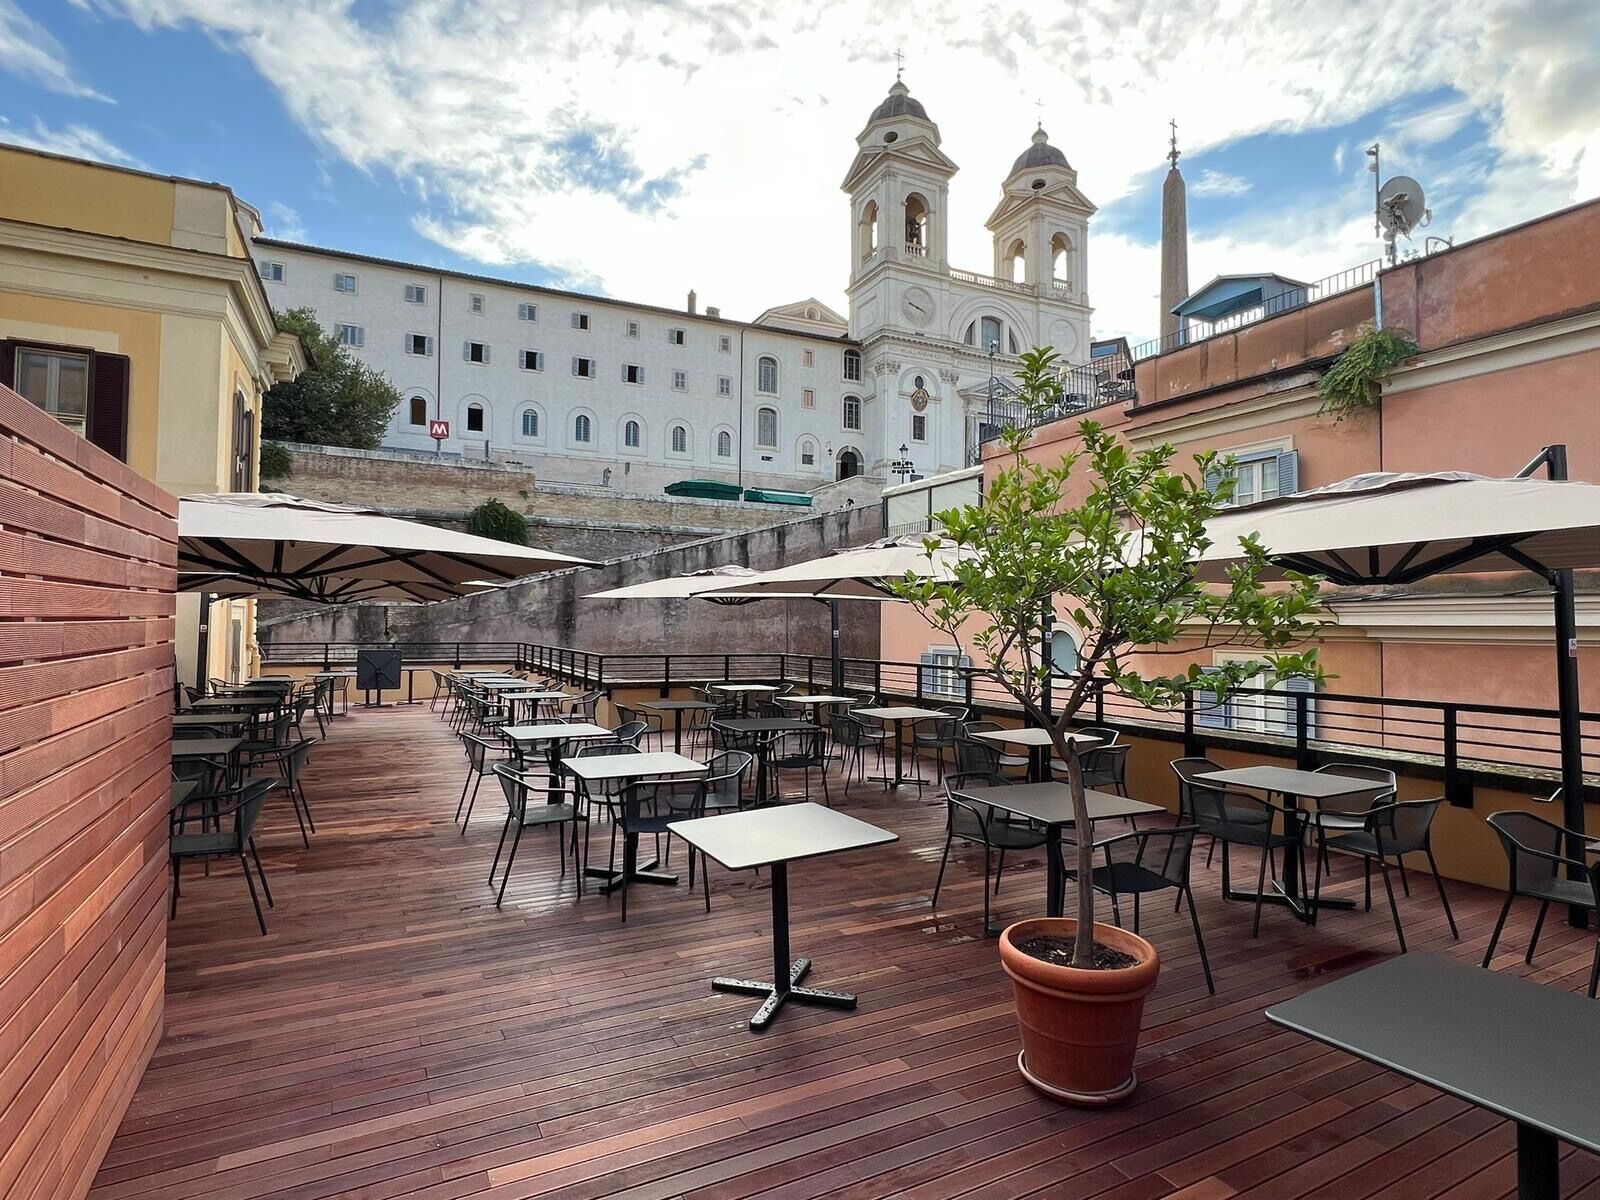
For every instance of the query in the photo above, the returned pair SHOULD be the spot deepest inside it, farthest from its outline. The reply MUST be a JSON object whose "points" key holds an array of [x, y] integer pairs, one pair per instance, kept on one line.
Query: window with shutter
{"points": [[108, 403], [1210, 707], [244, 444]]}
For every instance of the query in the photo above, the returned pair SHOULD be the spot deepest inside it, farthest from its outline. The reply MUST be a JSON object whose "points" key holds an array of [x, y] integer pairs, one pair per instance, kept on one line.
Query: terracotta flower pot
{"points": [[1080, 1028]]}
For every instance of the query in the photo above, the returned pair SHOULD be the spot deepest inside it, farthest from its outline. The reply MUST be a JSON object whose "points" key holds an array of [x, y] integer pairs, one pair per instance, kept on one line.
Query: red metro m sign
{"points": [[438, 430]]}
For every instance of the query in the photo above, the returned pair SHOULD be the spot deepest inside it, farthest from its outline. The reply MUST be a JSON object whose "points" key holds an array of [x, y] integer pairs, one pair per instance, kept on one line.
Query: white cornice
{"points": [[1473, 620], [1298, 400], [1497, 352]]}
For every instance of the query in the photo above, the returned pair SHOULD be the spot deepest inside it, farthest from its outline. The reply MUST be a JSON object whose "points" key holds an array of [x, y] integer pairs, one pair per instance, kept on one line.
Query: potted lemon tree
{"points": [[1108, 534]]}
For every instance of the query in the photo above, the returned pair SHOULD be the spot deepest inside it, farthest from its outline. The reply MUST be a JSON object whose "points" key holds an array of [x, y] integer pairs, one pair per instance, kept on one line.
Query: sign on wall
{"points": [[438, 430]]}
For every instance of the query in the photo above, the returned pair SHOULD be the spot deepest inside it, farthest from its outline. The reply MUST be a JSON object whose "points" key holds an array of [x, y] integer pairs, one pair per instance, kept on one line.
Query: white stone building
{"points": [[590, 389]]}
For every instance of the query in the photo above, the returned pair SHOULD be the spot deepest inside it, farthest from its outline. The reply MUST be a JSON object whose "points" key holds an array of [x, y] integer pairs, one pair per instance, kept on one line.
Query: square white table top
{"points": [[817, 699], [535, 696], [900, 713], [762, 836], [1051, 803], [596, 767], [1287, 781], [1031, 737], [577, 731], [744, 687]]}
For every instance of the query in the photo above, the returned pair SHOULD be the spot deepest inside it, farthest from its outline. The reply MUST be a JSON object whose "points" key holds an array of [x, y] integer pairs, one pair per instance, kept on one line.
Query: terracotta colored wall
{"points": [[87, 551], [1533, 272]]}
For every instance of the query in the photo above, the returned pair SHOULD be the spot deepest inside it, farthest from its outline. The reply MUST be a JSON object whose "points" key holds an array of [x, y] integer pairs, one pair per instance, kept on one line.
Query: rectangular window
{"points": [[680, 381], [941, 672], [852, 365], [532, 360], [419, 344], [1261, 475], [919, 427], [724, 385], [808, 358], [530, 423], [808, 398], [474, 419], [527, 312], [633, 329], [580, 320], [725, 344], [477, 352], [475, 303], [345, 283], [583, 368], [632, 373], [852, 413], [808, 456], [675, 336], [57, 383], [416, 293], [1257, 707], [351, 335], [767, 427], [272, 272]]}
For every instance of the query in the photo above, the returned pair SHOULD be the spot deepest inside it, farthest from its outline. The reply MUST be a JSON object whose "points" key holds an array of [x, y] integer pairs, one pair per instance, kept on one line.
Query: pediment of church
{"points": [[919, 152], [1063, 194], [809, 313]]}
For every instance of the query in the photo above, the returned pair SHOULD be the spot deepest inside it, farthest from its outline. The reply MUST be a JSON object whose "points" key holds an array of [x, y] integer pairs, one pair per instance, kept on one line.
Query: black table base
{"points": [[786, 974], [636, 872]]}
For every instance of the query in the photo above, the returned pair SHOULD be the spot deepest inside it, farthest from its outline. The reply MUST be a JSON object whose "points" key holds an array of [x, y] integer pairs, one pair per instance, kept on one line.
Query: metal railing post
{"points": [[727, 667], [666, 676], [327, 664], [967, 673], [1302, 748], [458, 656], [1191, 744], [1457, 791]]}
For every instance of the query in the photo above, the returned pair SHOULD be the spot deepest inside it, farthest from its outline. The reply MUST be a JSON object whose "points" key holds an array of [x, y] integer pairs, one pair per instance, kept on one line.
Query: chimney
{"points": [[691, 300], [714, 313]]}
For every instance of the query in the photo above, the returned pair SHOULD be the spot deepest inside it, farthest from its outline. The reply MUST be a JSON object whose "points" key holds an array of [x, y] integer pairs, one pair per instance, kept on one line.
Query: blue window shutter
{"points": [[925, 675], [1210, 709], [1213, 480], [1295, 686], [1288, 472]]}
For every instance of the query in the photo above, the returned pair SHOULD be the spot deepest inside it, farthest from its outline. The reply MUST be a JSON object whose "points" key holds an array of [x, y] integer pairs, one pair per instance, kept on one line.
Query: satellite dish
{"points": [[1400, 207]]}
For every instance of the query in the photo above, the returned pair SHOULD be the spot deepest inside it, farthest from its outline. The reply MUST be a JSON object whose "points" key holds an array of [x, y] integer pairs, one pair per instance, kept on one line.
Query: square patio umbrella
{"points": [[1398, 528]]}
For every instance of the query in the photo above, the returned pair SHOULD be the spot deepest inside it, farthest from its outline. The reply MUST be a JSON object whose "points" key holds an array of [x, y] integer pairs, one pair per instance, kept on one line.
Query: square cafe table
{"points": [[605, 768], [771, 727], [1037, 742], [531, 697], [815, 704], [899, 716], [775, 837], [1050, 804], [744, 691], [213, 720], [1291, 785], [1522, 1050], [677, 708], [557, 735]]}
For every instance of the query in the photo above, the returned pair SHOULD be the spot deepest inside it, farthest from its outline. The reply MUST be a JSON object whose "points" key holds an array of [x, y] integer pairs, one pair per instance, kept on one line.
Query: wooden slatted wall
{"points": [[87, 557]]}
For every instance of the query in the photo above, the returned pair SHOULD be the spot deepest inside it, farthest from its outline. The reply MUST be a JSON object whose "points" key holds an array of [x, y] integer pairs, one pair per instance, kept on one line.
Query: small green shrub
{"points": [[491, 519], [1350, 384], [275, 462]]}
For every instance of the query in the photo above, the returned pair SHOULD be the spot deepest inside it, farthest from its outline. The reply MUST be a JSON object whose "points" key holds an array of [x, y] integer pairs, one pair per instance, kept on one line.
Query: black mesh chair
{"points": [[724, 781], [1150, 860], [1536, 863], [1105, 769], [244, 804], [1006, 762], [981, 825], [854, 738], [632, 732], [1238, 819], [1391, 831], [973, 755], [804, 751], [1107, 735], [630, 716], [1241, 804], [522, 813], [939, 734], [482, 755], [601, 796], [1348, 814], [648, 807]]}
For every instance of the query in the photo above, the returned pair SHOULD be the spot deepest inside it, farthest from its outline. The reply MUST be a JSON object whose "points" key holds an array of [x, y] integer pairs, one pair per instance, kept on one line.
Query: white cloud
{"points": [[285, 223], [1219, 183], [28, 50], [1338, 159], [76, 141], [650, 148]]}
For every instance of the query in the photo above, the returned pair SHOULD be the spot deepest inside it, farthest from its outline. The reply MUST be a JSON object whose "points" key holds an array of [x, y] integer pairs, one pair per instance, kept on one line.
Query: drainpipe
{"points": [[738, 422], [438, 354]]}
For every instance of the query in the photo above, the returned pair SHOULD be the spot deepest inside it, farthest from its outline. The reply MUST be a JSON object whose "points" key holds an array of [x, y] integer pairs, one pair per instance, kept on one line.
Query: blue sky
{"points": [[644, 149]]}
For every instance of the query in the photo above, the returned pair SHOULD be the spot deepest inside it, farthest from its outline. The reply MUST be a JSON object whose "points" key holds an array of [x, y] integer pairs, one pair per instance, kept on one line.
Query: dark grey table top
{"points": [[205, 747], [1287, 781], [182, 789], [186, 719], [675, 705], [227, 702], [1520, 1049], [769, 725], [785, 833], [1051, 803]]}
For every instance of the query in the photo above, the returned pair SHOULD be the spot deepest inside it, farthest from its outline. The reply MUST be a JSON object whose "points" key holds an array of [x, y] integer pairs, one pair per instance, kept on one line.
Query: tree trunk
{"points": [[1083, 837]]}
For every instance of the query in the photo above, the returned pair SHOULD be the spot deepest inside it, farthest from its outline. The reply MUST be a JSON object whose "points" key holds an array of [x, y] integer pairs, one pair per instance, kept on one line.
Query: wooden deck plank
{"points": [[395, 1035]]}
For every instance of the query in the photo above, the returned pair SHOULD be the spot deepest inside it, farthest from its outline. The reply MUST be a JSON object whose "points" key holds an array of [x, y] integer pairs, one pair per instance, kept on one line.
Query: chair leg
{"points": [[1443, 899], [261, 871], [172, 912], [1261, 886], [1538, 926], [499, 849], [938, 880], [1594, 971], [705, 878], [294, 803], [986, 864], [251, 883], [1494, 938], [1394, 909], [1194, 919], [467, 820], [1001, 870], [1366, 882], [510, 858], [462, 803], [305, 805]]}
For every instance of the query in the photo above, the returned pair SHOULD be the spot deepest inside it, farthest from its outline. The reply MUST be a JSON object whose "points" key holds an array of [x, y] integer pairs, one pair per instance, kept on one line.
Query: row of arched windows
{"points": [[530, 425]]}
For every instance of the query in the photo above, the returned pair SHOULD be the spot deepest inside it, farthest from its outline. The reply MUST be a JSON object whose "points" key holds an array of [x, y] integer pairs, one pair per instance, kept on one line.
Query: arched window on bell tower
{"points": [[1061, 258], [917, 230], [868, 233], [1017, 261]]}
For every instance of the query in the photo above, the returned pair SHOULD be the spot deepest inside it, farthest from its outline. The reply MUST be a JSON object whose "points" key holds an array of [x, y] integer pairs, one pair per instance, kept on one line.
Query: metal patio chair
{"points": [[981, 825], [1535, 863]]}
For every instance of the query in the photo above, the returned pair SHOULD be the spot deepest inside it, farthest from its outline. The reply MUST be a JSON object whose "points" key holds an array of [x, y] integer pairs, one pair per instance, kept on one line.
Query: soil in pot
{"points": [[1058, 953]]}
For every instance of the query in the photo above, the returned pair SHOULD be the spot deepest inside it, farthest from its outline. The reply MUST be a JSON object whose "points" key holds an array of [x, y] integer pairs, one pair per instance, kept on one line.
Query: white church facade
{"points": [[591, 389]]}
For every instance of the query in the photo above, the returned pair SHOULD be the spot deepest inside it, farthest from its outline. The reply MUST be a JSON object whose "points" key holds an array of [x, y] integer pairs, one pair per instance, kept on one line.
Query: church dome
{"points": [[1040, 154], [899, 103]]}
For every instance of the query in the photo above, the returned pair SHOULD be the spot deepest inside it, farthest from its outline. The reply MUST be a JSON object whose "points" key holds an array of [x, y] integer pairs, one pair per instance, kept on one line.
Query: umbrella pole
{"points": [[838, 660], [202, 650], [1571, 727]]}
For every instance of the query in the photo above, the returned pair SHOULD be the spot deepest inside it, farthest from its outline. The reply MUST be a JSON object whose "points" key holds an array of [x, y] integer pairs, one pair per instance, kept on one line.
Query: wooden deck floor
{"points": [[396, 1036]]}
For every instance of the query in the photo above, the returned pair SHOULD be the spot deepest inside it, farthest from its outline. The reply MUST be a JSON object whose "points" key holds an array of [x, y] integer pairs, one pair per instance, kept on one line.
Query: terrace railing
{"points": [[1459, 744]]}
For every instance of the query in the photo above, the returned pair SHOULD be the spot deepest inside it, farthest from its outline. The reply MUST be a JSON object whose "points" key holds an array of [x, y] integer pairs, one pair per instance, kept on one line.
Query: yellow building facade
{"points": [[131, 310]]}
